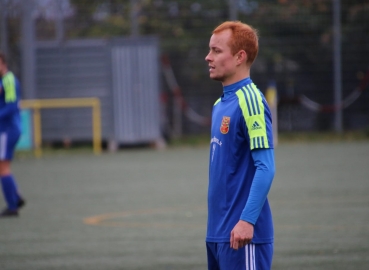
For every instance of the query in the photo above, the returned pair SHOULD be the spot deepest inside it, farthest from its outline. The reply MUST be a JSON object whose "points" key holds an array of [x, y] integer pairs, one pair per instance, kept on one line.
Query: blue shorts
{"points": [[8, 142], [251, 257]]}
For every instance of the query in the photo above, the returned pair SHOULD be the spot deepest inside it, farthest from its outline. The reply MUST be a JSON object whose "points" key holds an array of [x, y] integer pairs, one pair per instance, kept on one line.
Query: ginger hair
{"points": [[244, 37]]}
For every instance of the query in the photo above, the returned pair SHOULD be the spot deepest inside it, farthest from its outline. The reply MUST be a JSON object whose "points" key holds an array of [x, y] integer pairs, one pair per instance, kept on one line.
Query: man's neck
{"points": [[241, 73]]}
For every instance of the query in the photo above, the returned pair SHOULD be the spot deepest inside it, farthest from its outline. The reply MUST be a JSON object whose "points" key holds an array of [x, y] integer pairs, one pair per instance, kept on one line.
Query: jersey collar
{"points": [[232, 88]]}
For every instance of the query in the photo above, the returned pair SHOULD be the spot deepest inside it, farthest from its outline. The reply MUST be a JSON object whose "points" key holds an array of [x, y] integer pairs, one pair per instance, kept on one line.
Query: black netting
{"points": [[296, 48]]}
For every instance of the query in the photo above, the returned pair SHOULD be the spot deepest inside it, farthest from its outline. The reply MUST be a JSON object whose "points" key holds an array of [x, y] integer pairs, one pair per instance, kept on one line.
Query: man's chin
{"points": [[216, 78]]}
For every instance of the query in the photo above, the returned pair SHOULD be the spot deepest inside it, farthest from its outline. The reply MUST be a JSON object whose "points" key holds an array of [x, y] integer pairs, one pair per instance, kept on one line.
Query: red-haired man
{"points": [[241, 170]]}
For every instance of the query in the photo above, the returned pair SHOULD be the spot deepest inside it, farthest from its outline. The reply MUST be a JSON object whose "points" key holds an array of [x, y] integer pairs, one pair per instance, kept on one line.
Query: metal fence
{"points": [[121, 73], [297, 44]]}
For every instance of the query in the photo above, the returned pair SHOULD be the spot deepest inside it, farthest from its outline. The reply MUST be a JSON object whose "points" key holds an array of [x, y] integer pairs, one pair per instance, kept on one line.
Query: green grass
{"points": [[149, 208], [360, 135]]}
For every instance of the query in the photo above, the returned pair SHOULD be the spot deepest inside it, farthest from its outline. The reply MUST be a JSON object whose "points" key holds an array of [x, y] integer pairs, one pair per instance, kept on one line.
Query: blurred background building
{"points": [[315, 52]]}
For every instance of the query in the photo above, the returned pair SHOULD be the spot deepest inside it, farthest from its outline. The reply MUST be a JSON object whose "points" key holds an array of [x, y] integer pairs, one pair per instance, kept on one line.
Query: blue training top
{"points": [[241, 165], [9, 98]]}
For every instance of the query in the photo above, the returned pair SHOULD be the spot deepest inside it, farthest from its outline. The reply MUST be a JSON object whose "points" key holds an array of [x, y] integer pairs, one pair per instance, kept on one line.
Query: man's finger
{"points": [[231, 240], [235, 244]]}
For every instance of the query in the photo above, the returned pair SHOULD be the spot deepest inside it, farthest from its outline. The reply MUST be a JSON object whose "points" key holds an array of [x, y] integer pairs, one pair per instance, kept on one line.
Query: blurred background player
{"points": [[10, 131], [241, 170]]}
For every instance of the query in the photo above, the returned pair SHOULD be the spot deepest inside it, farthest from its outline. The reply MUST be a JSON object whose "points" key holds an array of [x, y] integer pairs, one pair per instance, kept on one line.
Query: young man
{"points": [[9, 134], [241, 170]]}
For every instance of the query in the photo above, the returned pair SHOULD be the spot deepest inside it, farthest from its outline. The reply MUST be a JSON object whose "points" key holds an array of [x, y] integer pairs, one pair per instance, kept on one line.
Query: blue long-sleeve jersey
{"points": [[241, 165], [9, 99]]}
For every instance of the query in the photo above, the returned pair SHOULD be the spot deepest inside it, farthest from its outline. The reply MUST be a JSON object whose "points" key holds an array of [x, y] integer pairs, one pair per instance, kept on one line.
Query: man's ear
{"points": [[241, 57]]}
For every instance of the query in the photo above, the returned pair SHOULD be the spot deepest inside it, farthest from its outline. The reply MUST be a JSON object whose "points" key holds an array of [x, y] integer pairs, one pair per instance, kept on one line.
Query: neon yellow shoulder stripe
{"points": [[9, 87], [252, 107], [216, 101]]}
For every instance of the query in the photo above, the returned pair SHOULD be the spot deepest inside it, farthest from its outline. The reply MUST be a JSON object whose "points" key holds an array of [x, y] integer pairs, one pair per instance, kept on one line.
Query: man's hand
{"points": [[241, 234]]}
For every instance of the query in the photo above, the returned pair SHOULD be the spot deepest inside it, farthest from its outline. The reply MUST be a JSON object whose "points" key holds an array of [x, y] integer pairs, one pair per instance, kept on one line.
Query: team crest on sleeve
{"points": [[224, 127]]}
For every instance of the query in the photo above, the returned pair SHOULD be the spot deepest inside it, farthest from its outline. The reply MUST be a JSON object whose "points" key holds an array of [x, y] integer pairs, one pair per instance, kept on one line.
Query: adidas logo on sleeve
{"points": [[255, 126]]}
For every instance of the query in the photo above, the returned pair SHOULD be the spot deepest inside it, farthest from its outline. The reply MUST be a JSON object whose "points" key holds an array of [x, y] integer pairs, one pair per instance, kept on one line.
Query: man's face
{"points": [[222, 64]]}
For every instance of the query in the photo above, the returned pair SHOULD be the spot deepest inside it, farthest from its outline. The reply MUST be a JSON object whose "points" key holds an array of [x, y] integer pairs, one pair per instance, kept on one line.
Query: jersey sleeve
{"points": [[9, 87], [263, 178], [10, 96], [257, 117]]}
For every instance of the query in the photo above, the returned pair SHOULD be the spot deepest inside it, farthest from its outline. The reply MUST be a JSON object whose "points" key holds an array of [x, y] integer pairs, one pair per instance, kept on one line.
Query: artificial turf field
{"points": [[146, 209]]}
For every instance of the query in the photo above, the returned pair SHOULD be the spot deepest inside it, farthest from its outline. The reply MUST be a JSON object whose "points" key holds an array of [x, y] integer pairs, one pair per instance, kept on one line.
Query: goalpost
{"points": [[37, 104]]}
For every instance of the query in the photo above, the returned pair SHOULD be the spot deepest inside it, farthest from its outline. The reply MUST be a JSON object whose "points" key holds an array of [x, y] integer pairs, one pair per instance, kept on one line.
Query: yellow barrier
{"points": [[37, 104], [271, 97]]}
